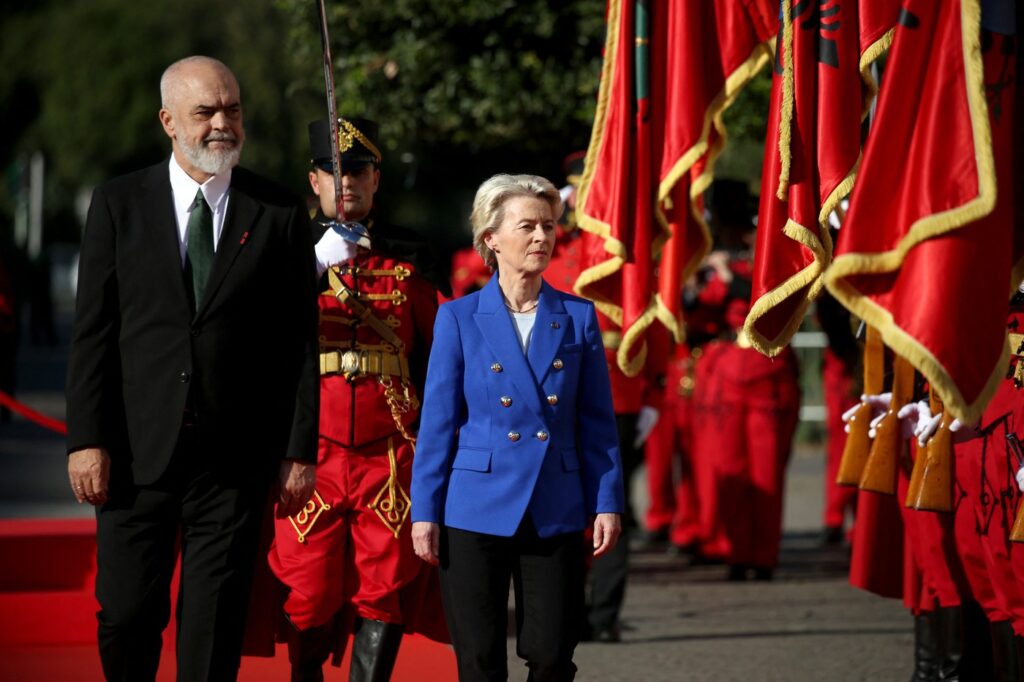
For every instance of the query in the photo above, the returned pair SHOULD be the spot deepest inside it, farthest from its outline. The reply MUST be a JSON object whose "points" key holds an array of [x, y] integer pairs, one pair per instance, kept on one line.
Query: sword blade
{"points": [[332, 114]]}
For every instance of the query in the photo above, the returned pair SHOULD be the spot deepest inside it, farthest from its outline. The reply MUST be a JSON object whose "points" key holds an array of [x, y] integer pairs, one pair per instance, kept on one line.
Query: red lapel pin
{"points": [[245, 236]]}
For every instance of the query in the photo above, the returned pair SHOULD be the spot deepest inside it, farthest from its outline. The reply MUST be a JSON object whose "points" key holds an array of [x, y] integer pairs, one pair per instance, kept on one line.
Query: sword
{"points": [[1014, 446], [349, 230]]}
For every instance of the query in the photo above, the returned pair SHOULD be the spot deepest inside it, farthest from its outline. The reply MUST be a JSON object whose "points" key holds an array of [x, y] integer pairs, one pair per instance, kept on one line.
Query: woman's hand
{"points": [[426, 539], [607, 528]]}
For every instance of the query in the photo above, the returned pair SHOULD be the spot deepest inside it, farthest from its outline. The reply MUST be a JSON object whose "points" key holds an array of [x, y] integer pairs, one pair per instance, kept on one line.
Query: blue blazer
{"points": [[503, 433]]}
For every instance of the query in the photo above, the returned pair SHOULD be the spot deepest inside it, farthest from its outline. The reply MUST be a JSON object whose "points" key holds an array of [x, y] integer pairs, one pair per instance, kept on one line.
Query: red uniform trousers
{"points": [[837, 385], [349, 557], [988, 498], [673, 502], [934, 575], [745, 414], [877, 559]]}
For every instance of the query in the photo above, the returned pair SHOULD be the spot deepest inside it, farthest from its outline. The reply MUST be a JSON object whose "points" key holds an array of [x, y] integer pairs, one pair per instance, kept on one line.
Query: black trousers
{"points": [[608, 572], [547, 575], [214, 518]]}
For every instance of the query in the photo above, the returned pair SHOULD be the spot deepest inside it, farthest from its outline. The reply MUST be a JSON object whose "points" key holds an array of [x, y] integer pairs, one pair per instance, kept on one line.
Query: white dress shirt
{"points": [[184, 188]]}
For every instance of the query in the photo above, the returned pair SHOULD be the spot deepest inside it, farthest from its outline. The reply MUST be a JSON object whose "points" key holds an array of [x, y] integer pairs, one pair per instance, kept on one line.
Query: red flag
{"points": [[927, 253], [656, 134], [877, 23], [811, 159]]}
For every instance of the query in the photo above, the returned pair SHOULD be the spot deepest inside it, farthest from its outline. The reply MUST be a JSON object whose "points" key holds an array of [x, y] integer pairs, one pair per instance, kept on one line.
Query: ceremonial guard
{"points": [[673, 515], [347, 558], [988, 458], [745, 408]]}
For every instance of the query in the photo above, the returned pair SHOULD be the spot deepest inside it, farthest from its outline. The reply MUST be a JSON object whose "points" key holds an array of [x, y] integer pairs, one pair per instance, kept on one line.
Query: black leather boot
{"points": [[308, 651], [1004, 652], [949, 627], [1018, 645], [976, 663], [374, 650], [926, 648]]}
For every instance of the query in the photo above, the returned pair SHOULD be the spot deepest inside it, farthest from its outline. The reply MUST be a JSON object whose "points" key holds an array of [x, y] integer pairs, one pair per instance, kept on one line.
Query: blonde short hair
{"points": [[488, 206]]}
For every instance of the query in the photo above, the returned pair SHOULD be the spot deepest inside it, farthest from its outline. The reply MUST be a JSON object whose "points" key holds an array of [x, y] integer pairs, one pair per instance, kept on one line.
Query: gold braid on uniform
{"points": [[1016, 342], [304, 521], [392, 503]]}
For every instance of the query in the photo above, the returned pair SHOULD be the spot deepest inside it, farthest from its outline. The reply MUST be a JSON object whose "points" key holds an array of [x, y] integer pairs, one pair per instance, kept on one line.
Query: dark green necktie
{"points": [[200, 245]]}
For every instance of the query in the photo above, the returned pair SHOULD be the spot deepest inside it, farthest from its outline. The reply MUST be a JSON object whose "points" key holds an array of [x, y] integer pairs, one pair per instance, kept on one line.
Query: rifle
{"points": [[881, 468], [1014, 446], [858, 443], [931, 484]]}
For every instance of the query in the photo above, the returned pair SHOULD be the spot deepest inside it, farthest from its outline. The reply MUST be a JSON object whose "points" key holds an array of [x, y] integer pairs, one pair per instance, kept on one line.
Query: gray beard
{"points": [[210, 161]]}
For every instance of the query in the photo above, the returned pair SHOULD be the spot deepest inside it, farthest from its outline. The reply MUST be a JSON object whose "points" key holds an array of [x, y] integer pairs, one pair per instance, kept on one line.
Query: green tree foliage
{"points": [[84, 87], [478, 74], [462, 88]]}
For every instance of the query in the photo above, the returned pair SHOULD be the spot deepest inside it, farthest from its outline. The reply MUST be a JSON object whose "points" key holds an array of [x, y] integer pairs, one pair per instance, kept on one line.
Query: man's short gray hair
{"points": [[167, 80], [489, 205]]}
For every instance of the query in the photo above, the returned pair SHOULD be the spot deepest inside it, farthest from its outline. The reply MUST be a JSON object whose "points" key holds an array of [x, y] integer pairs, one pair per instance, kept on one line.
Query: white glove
{"points": [[1020, 479], [332, 249], [645, 422], [879, 406], [914, 418], [957, 428]]}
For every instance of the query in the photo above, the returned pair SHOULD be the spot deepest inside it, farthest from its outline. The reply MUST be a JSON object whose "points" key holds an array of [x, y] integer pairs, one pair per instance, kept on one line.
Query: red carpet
{"points": [[48, 621]]}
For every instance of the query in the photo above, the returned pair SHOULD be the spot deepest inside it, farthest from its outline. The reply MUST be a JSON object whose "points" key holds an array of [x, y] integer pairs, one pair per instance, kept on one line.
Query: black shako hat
{"points": [[356, 143]]}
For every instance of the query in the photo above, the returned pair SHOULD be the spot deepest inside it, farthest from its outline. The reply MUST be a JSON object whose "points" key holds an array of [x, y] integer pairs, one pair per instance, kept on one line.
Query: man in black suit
{"points": [[192, 381]]}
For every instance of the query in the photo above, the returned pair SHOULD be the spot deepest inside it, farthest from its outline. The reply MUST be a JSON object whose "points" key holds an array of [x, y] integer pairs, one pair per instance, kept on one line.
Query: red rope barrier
{"points": [[28, 413]]}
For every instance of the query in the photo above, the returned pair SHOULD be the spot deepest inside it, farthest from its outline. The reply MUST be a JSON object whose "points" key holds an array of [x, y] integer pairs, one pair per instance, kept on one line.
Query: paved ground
{"points": [[681, 623]]}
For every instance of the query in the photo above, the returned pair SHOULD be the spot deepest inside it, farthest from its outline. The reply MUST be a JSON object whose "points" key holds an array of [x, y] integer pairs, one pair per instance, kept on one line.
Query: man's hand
{"points": [[332, 249], [89, 472], [297, 481], [957, 430], [879, 405], [607, 528], [914, 418], [426, 541]]}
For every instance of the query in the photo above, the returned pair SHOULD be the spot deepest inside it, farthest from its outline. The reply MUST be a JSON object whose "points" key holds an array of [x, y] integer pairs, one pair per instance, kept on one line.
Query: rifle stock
{"points": [[935, 491], [1017, 532], [855, 451], [916, 475], [858, 443], [882, 466]]}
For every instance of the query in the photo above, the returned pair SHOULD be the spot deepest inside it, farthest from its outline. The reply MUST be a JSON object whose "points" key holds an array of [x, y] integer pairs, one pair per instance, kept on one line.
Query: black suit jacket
{"points": [[248, 357]]}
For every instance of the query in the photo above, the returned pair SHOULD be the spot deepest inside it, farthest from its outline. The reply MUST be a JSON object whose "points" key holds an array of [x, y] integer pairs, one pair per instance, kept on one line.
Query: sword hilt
{"points": [[351, 231]]}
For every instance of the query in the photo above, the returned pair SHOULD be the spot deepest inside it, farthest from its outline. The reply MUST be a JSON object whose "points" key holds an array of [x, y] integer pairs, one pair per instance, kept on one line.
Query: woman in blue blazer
{"points": [[517, 449]]}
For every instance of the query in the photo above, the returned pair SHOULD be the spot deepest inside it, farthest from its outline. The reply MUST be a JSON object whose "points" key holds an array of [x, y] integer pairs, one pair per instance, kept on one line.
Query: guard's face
{"points": [[204, 120], [357, 190], [524, 241]]}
